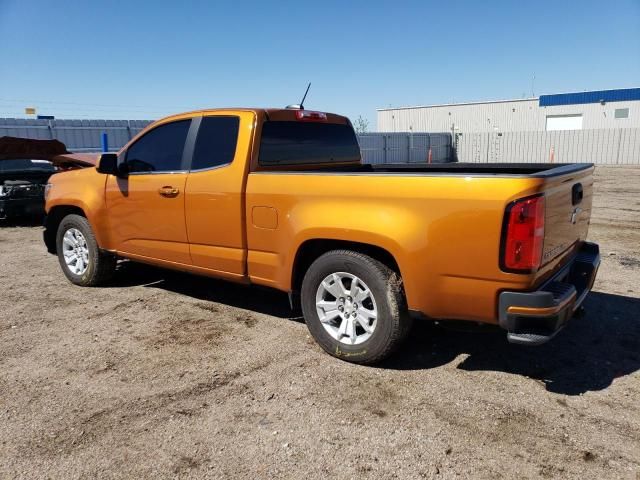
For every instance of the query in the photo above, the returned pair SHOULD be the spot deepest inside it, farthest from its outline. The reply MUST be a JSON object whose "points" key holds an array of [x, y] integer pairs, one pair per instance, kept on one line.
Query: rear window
{"points": [[303, 143]]}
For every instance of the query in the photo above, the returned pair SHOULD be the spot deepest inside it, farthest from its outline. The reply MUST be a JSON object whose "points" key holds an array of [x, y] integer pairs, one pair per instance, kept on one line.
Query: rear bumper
{"points": [[533, 318]]}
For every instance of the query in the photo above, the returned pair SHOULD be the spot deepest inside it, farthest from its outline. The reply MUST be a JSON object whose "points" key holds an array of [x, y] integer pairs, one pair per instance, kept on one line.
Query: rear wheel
{"points": [[354, 306], [82, 262]]}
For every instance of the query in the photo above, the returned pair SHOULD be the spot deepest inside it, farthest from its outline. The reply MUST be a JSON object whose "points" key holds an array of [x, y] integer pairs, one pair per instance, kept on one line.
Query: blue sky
{"points": [[145, 59]]}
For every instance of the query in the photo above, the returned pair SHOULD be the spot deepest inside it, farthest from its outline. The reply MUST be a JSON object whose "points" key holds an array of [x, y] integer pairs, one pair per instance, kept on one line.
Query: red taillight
{"points": [[523, 235], [309, 116]]}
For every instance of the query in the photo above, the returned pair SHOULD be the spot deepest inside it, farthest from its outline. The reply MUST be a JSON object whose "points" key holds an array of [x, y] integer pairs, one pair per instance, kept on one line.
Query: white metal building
{"points": [[602, 109]]}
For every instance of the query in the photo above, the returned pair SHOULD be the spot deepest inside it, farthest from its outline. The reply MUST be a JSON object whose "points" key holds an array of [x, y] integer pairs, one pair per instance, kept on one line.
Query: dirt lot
{"points": [[169, 375]]}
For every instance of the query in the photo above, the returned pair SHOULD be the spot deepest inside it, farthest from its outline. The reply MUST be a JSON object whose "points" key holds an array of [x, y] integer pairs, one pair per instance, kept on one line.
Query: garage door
{"points": [[564, 122]]}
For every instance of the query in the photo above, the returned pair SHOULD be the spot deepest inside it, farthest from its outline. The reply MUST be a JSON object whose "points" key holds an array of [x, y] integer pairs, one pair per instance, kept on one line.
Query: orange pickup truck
{"points": [[280, 198]]}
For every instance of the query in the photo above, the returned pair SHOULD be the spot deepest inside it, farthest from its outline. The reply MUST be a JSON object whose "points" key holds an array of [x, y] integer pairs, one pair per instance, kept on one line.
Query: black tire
{"points": [[393, 322], [101, 266]]}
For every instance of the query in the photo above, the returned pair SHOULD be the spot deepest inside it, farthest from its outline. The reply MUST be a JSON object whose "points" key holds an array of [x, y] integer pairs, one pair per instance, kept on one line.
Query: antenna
{"points": [[305, 96], [533, 81]]}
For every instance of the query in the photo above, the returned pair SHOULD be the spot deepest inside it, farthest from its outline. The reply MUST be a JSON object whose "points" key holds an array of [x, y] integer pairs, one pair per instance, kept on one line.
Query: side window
{"points": [[159, 150], [216, 142]]}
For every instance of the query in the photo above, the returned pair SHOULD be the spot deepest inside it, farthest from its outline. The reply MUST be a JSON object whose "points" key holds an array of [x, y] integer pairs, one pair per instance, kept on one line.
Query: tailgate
{"points": [[568, 211]]}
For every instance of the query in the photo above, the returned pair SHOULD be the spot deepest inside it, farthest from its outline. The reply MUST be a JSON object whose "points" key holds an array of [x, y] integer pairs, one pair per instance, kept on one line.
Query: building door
{"points": [[564, 122]]}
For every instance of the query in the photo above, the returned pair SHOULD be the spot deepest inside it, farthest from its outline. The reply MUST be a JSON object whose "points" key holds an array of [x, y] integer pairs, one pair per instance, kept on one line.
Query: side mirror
{"points": [[108, 165]]}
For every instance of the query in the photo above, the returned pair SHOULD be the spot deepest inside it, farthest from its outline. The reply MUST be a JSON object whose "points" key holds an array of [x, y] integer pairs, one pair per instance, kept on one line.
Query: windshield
{"points": [[26, 165], [303, 143]]}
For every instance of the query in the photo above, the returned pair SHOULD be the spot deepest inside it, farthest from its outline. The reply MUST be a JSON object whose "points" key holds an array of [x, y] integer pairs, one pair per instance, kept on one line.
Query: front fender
{"points": [[84, 190]]}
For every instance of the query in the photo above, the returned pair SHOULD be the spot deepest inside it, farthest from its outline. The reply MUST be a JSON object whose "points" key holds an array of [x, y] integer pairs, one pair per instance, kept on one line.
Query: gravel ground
{"points": [[165, 375]]}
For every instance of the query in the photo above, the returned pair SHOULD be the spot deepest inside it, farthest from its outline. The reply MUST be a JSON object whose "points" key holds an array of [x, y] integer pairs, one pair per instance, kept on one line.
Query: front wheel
{"points": [[82, 262], [354, 306]]}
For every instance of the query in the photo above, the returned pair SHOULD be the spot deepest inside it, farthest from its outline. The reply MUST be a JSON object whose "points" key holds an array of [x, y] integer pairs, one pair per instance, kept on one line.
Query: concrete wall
{"points": [[503, 116]]}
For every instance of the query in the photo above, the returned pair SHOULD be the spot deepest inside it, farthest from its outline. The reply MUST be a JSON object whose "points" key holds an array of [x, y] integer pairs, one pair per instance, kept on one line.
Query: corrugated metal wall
{"points": [[405, 147], [604, 147], [507, 116], [77, 135], [85, 136]]}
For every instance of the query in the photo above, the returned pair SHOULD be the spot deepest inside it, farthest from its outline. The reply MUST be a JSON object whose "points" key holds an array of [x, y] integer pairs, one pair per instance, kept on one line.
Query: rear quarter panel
{"points": [[443, 231]]}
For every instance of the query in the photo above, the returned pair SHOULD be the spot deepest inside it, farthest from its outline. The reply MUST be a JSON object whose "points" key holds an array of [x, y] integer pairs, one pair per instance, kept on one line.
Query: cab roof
{"points": [[263, 114]]}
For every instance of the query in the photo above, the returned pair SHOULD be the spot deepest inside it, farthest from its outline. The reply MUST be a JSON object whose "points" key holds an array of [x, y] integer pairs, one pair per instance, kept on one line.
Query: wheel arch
{"points": [[312, 249], [52, 222]]}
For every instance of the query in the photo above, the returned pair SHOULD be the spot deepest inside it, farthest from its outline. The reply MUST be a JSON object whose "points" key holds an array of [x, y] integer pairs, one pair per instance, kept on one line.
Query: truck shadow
{"points": [[587, 355], [257, 299]]}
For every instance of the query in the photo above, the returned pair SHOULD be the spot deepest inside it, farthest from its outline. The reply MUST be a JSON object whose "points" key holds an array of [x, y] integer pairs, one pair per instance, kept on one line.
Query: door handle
{"points": [[168, 191]]}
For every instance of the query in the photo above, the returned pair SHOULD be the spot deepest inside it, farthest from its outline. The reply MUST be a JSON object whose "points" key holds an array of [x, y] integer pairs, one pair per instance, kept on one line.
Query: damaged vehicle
{"points": [[25, 168], [22, 184]]}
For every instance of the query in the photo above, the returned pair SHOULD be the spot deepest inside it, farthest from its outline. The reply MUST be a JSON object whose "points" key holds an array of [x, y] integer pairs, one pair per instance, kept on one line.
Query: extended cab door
{"points": [[146, 209], [214, 202]]}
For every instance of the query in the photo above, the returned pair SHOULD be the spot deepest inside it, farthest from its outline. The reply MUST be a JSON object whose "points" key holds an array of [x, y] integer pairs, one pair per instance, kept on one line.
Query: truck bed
{"points": [[529, 169], [537, 170], [449, 219]]}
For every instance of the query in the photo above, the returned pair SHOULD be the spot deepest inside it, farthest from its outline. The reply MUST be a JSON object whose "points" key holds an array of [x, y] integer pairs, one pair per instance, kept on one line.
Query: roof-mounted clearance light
{"points": [[309, 116]]}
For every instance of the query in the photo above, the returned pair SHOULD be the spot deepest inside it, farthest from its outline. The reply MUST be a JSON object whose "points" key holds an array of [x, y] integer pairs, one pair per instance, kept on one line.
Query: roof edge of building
{"points": [[529, 99]]}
